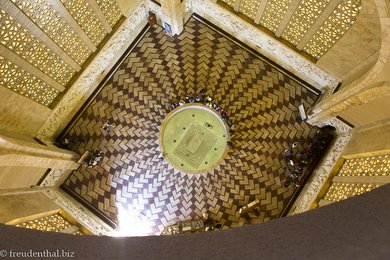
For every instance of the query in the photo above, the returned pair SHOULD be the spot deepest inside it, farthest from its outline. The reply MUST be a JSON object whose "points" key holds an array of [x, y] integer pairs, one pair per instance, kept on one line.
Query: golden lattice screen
{"points": [[54, 222], [44, 43], [312, 26], [357, 176]]}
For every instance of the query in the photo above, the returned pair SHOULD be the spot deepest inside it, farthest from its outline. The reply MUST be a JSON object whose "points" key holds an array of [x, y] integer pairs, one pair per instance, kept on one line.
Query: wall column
{"points": [[173, 14]]}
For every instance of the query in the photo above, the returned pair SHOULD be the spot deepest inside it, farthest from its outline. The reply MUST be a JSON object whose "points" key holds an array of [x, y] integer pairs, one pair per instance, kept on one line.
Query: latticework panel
{"points": [[273, 13], [21, 42], [53, 223], [86, 18], [304, 17], [249, 7], [110, 10], [50, 21], [15, 78], [341, 191], [368, 166], [334, 27]]}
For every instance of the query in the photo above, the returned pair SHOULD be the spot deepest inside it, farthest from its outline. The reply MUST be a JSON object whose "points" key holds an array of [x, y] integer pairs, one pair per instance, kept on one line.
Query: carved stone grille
{"points": [[110, 10], [353, 170], [301, 19], [249, 7], [15, 78], [334, 28], [53, 223], [21, 42], [52, 40], [368, 166], [274, 13], [341, 191], [304, 17], [50, 21], [86, 18]]}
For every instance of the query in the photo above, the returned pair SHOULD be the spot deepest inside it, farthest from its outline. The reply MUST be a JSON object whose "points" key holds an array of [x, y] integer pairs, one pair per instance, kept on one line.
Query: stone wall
{"points": [[19, 114], [24, 205], [14, 177], [127, 7], [371, 140], [373, 111], [357, 51]]}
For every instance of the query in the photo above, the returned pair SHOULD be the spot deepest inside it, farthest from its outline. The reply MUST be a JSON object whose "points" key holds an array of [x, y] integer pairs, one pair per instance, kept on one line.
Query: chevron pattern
{"points": [[132, 184]]}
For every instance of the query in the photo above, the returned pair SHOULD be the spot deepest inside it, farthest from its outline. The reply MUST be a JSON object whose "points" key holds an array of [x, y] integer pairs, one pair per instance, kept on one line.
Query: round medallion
{"points": [[193, 138]]}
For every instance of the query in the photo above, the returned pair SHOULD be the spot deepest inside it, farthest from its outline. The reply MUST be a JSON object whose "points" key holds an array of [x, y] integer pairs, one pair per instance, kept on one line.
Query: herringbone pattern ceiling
{"points": [[132, 184]]}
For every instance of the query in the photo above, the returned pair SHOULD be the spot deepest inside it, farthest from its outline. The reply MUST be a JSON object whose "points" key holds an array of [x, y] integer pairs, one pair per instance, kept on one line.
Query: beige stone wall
{"points": [[385, 74], [369, 86], [23, 205], [357, 51], [368, 113], [127, 7], [20, 114], [14, 177], [370, 140]]}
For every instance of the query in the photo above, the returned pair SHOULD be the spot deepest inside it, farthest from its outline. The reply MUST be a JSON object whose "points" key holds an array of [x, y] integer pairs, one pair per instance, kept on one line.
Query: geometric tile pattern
{"points": [[134, 189], [195, 145]]}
